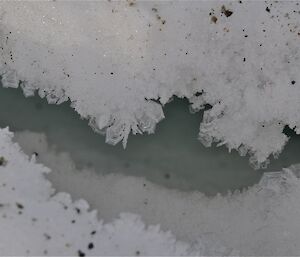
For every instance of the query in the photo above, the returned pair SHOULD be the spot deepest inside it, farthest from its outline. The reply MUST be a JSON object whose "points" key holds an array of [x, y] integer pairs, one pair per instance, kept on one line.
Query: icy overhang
{"points": [[120, 62]]}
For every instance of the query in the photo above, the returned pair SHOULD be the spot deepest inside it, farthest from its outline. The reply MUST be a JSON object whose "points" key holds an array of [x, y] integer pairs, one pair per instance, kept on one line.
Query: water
{"points": [[172, 157]]}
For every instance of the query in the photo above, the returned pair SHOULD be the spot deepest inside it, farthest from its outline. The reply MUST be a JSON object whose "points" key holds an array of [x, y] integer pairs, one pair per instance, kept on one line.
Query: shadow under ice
{"points": [[172, 157]]}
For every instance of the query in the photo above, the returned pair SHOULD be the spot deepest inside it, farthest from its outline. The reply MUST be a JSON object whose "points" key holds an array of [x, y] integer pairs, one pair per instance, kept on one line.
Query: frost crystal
{"points": [[120, 62]]}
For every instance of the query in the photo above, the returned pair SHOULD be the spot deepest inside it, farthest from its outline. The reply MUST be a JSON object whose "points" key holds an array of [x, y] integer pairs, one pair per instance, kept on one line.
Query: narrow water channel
{"points": [[172, 157]]}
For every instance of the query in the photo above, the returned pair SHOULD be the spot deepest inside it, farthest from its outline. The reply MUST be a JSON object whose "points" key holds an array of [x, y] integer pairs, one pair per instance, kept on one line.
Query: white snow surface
{"points": [[119, 62], [260, 221], [35, 220]]}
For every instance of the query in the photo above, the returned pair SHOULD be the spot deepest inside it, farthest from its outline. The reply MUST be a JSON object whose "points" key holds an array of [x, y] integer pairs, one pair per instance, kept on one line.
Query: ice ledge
{"points": [[35, 220], [118, 62]]}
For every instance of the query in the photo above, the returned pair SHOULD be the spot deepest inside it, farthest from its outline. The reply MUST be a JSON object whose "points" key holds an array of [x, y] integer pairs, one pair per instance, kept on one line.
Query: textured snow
{"points": [[36, 220], [120, 62], [260, 221]]}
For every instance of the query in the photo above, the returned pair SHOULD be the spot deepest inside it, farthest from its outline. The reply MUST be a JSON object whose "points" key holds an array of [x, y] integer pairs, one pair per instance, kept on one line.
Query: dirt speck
{"points": [[80, 253], [20, 206], [214, 19], [3, 161], [167, 176], [131, 3], [226, 11]]}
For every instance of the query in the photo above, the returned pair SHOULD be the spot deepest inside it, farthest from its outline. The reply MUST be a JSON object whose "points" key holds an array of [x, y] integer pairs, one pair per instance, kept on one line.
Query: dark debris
{"points": [[226, 12], [3, 161]]}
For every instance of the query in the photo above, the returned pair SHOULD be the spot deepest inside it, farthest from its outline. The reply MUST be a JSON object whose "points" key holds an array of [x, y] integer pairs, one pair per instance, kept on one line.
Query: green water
{"points": [[172, 157]]}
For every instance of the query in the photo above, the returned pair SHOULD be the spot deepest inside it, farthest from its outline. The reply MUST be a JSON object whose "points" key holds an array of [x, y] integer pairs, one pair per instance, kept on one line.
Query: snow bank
{"points": [[34, 220], [120, 62], [260, 221]]}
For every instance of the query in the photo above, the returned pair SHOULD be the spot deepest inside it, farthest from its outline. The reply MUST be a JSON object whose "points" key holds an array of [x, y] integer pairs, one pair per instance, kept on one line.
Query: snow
{"points": [[120, 62], [36, 220], [262, 220]]}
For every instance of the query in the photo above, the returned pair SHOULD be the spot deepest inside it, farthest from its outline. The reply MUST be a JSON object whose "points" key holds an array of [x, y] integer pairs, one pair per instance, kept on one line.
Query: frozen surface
{"points": [[35, 220], [261, 221], [120, 62], [210, 170]]}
